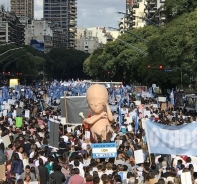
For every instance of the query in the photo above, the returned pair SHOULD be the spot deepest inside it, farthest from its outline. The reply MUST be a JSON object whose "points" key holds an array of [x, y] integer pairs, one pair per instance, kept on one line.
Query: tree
{"points": [[67, 63], [175, 8]]}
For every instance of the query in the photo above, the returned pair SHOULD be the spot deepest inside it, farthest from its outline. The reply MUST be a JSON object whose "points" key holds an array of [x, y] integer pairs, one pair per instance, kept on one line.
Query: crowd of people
{"points": [[30, 159]]}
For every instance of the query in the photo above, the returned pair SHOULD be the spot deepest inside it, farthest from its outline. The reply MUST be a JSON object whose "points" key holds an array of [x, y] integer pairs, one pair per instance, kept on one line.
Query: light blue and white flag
{"points": [[172, 97], [175, 140]]}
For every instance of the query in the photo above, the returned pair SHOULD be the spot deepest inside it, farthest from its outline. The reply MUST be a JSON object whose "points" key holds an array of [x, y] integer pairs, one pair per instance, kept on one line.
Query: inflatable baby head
{"points": [[97, 97]]}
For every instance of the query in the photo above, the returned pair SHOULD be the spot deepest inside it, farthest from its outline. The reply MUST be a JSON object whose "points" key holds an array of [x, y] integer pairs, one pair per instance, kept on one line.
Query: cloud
{"points": [[99, 13], [38, 4], [38, 12]]}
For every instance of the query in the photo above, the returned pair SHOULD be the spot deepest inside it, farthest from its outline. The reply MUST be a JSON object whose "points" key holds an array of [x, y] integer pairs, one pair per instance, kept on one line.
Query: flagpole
{"points": [[66, 115]]}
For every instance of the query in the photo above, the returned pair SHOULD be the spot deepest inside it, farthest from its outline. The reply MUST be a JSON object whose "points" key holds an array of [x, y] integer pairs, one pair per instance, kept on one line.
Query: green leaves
{"points": [[174, 46]]}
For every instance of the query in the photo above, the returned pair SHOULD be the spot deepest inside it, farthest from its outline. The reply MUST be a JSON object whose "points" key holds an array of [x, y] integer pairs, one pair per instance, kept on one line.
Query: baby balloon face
{"points": [[96, 105]]}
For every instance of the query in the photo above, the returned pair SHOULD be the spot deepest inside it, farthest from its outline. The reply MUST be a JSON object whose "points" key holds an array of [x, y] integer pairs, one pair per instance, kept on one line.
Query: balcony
{"points": [[152, 11], [153, 2], [162, 9], [155, 8], [163, 18]]}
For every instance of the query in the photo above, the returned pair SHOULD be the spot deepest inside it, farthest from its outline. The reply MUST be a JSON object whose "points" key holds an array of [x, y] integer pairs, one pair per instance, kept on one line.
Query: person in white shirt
{"points": [[42, 157], [108, 169], [80, 164], [19, 151], [81, 171], [100, 171], [65, 137]]}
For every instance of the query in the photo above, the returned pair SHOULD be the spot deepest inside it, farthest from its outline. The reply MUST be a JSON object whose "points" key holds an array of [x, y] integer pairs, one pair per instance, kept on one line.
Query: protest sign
{"points": [[137, 102], [162, 99], [6, 141], [146, 113], [63, 120], [69, 129], [27, 114], [129, 128], [21, 104], [104, 150], [176, 140], [139, 156], [7, 106], [87, 134], [186, 178], [14, 114], [5, 112], [19, 122]]}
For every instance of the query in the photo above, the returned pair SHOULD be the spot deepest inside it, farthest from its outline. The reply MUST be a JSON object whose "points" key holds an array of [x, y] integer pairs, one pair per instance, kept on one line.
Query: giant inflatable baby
{"points": [[99, 122]]}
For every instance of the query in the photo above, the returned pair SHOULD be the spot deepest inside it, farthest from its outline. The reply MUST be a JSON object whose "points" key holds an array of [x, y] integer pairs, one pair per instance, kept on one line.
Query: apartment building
{"points": [[39, 31], [64, 14], [89, 39], [23, 8], [138, 14], [11, 30], [155, 12]]}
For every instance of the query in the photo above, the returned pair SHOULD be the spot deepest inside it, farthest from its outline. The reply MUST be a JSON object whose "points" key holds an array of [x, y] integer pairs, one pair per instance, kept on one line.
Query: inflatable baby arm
{"points": [[109, 113], [95, 118]]}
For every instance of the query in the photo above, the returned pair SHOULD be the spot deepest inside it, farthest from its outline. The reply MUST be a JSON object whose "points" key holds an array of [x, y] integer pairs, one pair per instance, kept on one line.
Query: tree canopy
{"points": [[172, 46], [60, 63]]}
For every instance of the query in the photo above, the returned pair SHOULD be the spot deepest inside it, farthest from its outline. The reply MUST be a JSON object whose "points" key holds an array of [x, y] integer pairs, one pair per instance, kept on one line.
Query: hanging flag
{"points": [[41, 106], [172, 97], [150, 91], [136, 119]]}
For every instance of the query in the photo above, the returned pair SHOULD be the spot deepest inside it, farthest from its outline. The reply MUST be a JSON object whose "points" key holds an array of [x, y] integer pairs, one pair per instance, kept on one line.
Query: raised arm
{"points": [[95, 118], [109, 113]]}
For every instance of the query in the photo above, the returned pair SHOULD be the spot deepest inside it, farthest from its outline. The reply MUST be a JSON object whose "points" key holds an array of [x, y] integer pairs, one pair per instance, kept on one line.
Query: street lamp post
{"points": [[181, 78]]}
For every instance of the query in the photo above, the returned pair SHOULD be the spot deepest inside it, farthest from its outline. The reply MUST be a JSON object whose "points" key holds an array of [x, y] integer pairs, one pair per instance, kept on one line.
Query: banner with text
{"points": [[176, 140], [104, 150]]}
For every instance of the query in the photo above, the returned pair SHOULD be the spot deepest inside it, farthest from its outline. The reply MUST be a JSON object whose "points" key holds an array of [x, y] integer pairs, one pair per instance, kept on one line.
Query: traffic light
{"points": [[8, 73], [160, 67], [148, 66], [108, 72]]}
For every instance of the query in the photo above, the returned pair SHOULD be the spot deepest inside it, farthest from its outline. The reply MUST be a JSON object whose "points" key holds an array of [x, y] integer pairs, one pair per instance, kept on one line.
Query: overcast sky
{"points": [[99, 13]]}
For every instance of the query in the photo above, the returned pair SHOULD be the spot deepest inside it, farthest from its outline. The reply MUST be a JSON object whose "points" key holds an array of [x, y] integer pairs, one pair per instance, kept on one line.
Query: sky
{"points": [[100, 13]]}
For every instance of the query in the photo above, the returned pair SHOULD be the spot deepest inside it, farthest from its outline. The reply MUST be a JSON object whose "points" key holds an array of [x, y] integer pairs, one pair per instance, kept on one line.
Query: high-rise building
{"points": [[23, 8], [89, 39], [11, 30], [138, 14], [129, 4], [155, 12], [63, 13]]}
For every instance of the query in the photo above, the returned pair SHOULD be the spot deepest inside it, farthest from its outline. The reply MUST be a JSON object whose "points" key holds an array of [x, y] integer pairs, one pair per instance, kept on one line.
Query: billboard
{"points": [[13, 83], [39, 45]]}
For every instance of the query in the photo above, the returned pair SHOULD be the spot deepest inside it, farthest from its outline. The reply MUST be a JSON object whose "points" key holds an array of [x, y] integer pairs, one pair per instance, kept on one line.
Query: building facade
{"points": [[138, 13], [89, 39], [23, 8], [155, 12], [64, 14], [11, 30], [40, 31]]}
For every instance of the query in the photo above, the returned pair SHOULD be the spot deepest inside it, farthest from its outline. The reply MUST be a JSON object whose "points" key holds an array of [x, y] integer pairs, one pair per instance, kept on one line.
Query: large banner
{"points": [[75, 105], [176, 140]]}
